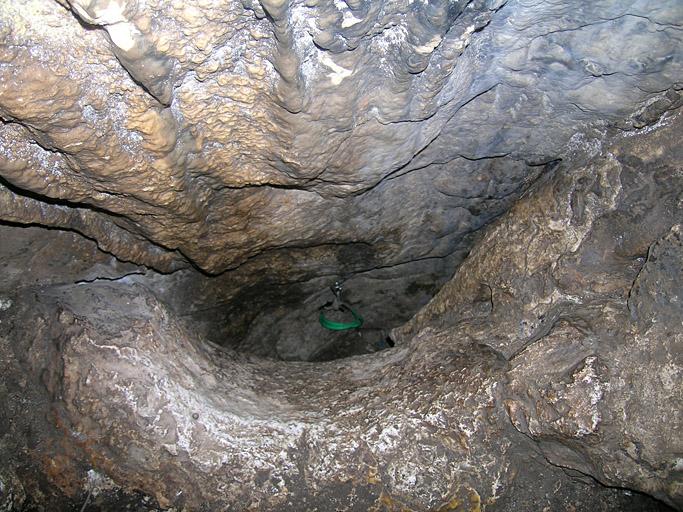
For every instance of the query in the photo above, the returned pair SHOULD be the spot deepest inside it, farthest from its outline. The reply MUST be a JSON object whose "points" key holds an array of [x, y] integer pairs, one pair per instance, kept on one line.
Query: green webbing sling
{"points": [[341, 326]]}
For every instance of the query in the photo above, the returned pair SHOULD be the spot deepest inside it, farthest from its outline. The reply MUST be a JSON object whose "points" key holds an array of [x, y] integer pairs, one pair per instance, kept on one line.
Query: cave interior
{"points": [[341, 255]]}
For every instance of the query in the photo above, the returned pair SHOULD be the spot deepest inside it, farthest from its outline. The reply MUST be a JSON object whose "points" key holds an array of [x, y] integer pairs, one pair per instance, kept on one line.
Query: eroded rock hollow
{"points": [[496, 187]]}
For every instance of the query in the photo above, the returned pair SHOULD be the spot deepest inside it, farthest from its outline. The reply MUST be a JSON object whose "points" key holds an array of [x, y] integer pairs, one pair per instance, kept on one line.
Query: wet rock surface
{"points": [[546, 373], [350, 136], [498, 185]]}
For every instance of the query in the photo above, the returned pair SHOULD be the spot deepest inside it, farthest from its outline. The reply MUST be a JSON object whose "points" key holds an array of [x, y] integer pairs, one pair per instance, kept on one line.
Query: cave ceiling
{"points": [[356, 134]]}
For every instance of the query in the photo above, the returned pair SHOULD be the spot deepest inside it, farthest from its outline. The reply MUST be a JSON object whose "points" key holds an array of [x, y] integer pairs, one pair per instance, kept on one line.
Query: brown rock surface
{"points": [[227, 161], [571, 360], [225, 130]]}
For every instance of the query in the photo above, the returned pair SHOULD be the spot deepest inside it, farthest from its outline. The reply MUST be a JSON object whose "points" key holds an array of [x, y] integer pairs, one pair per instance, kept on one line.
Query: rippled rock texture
{"points": [[217, 132], [554, 355], [207, 169], [305, 142]]}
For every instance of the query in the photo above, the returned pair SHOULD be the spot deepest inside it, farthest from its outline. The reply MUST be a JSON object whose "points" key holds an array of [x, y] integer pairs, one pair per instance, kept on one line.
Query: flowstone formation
{"points": [[546, 373], [497, 184], [293, 140]]}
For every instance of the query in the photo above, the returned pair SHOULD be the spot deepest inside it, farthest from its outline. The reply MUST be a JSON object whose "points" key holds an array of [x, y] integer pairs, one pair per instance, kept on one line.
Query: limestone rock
{"points": [[579, 289], [518, 366], [497, 182], [226, 130]]}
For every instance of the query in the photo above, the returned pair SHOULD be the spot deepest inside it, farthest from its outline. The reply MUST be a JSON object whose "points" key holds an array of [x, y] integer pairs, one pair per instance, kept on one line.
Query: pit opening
{"points": [[290, 322]]}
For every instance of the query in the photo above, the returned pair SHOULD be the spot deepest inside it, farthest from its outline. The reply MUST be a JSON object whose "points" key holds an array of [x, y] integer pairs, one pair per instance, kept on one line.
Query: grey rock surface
{"points": [[34, 256], [227, 130], [498, 184], [562, 295], [546, 372], [288, 145]]}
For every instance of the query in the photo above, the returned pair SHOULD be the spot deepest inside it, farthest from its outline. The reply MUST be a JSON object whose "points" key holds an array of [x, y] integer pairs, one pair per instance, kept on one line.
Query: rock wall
{"points": [[285, 146], [546, 373], [224, 131], [226, 161], [557, 287]]}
